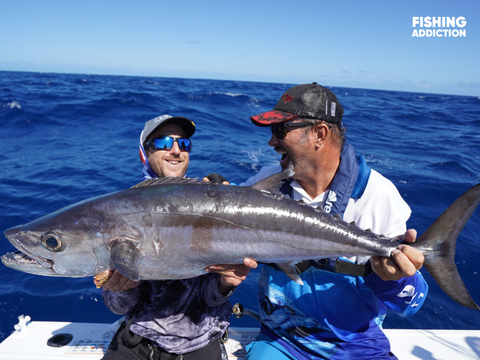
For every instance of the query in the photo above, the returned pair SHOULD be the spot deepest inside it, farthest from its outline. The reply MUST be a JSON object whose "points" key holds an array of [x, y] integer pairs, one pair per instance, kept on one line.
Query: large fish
{"points": [[173, 228]]}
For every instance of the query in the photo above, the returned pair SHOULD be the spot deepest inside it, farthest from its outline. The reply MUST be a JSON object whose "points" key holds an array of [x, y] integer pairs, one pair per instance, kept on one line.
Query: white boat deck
{"points": [[90, 340]]}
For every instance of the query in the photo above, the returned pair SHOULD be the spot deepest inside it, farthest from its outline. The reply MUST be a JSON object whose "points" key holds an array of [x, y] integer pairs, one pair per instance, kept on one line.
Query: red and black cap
{"points": [[311, 101]]}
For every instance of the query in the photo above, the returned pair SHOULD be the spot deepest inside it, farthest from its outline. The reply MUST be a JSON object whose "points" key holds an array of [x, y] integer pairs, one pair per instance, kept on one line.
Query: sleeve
{"points": [[380, 209], [121, 302], [209, 291], [404, 296]]}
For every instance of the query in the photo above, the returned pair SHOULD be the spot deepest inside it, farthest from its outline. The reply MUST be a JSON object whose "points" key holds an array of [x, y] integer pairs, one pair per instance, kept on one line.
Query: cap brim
{"points": [[272, 117]]}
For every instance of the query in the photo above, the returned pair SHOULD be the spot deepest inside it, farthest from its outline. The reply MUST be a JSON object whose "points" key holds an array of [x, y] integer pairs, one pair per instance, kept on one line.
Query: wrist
{"points": [[223, 287]]}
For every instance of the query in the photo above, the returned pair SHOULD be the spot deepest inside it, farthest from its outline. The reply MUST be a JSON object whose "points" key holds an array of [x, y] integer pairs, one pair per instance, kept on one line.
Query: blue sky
{"points": [[362, 44]]}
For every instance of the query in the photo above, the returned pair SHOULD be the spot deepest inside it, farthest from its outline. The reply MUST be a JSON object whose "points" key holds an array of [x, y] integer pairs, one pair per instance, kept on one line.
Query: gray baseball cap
{"points": [[187, 125]]}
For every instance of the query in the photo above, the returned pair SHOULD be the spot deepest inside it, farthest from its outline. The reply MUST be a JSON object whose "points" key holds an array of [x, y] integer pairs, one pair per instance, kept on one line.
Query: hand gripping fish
{"points": [[173, 228]]}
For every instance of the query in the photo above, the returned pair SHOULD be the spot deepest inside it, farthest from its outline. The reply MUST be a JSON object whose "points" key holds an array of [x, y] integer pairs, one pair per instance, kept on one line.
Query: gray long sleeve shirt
{"points": [[180, 316]]}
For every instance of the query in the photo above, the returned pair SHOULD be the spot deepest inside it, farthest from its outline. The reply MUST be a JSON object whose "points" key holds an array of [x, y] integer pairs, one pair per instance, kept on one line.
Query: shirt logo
{"points": [[331, 198], [408, 290]]}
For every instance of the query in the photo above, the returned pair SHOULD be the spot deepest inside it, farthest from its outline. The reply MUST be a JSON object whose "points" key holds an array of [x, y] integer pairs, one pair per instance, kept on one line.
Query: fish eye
{"points": [[51, 242]]}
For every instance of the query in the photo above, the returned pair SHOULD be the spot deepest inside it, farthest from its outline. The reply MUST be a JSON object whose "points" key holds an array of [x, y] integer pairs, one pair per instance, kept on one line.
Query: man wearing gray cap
{"points": [[175, 319], [165, 146], [338, 313]]}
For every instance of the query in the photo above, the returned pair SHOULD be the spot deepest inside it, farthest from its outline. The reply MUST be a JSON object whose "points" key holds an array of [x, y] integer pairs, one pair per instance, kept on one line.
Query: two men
{"points": [[338, 312], [177, 319]]}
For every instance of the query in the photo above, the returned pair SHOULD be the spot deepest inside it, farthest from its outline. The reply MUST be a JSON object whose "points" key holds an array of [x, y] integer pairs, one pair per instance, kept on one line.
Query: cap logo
{"points": [[162, 118], [333, 107], [287, 97]]}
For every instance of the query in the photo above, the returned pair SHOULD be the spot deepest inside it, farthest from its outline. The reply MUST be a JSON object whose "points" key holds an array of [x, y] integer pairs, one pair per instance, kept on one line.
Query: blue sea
{"points": [[65, 138]]}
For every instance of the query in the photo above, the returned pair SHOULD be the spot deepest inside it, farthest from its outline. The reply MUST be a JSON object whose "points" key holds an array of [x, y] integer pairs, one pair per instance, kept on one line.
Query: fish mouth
{"points": [[23, 262]]}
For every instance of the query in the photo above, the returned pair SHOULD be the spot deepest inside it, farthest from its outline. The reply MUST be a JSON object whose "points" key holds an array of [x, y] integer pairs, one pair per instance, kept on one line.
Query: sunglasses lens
{"points": [[166, 143], [184, 144], [279, 130]]}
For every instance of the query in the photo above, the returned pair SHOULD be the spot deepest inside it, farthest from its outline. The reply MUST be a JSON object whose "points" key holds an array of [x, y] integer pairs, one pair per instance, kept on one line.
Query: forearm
{"points": [[404, 296], [121, 302]]}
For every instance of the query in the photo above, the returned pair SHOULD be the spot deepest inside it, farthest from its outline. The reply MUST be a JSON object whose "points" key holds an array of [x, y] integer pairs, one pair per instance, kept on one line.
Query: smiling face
{"points": [[295, 147], [172, 162]]}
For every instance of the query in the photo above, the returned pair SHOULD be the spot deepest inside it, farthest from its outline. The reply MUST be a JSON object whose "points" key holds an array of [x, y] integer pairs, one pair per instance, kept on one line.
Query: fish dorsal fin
{"points": [[168, 181], [273, 182], [353, 224]]}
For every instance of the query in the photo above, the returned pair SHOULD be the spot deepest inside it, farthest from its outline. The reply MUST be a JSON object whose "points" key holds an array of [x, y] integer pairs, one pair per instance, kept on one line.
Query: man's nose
{"points": [[273, 140], [175, 148]]}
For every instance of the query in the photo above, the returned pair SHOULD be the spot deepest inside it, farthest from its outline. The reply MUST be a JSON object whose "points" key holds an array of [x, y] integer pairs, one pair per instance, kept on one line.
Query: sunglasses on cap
{"points": [[280, 130], [166, 143]]}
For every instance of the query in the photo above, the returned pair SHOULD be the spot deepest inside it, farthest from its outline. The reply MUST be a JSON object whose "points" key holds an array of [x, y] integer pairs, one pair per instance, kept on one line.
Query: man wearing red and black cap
{"points": [[338, 312]]}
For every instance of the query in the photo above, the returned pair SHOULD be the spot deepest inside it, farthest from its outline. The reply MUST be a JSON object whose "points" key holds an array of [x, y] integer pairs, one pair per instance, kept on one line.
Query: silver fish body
{"points": [[173, 228]]}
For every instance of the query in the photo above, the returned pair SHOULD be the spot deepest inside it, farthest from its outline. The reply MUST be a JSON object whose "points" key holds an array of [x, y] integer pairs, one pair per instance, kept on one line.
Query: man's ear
{"points": [[321, 131]]}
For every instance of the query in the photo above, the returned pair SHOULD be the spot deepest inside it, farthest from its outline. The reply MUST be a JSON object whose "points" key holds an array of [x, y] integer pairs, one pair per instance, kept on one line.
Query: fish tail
{"points": [[438, 245]]}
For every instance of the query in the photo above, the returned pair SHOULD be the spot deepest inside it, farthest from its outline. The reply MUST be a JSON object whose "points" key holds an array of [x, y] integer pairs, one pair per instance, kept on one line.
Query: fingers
{"points": [[406, 255], [232, 275], [405, 262], [252, 264], [405, 266], [216, 179], [118, 282], [224, 182], [410, 236], [101, 278], [239, 269], [385, 268], [234, 270]]}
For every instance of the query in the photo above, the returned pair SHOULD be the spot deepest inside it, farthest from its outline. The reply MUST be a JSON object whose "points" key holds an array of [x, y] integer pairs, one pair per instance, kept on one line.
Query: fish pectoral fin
{"points": [[125, 256], [290, 271], [273, 182]]}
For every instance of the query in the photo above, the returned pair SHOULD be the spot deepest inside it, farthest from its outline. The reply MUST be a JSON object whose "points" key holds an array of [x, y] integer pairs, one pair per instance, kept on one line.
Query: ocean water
{"points": [[65, 138]]}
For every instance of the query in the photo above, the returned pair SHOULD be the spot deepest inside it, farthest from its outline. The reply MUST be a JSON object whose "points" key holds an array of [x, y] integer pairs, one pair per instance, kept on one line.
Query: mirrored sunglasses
{"points": [[166, 143]]}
